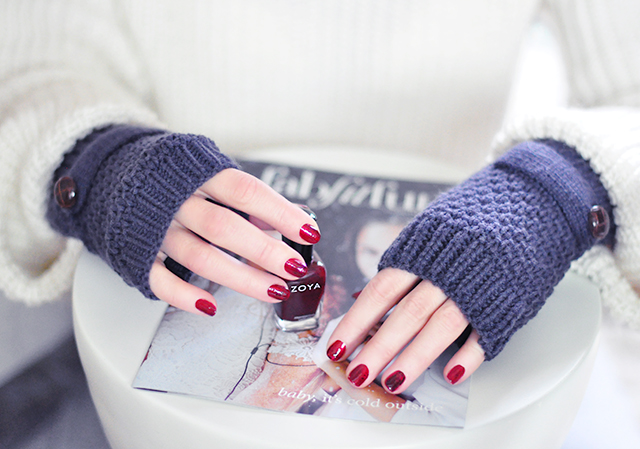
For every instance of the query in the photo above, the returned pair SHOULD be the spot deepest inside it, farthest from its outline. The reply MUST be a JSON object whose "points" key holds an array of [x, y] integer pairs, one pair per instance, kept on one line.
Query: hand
{"points": [[424, 318], [201, 230]]}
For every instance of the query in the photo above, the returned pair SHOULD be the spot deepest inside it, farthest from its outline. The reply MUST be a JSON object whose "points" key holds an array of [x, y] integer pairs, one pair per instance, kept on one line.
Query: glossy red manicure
{"points": [[278, 292], [295, 267], [394, 381], [359, 375], [455, 374], [206, 307], [336, 350], [310, 234]]}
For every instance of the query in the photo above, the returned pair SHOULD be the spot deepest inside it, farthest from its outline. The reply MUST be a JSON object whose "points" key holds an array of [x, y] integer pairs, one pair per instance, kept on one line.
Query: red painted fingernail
{"points": [[206, 307], [356, 294], [394, 381], [359, 375], [295, 267], [455, 374], [336, 350], [310, 233], [280, 292]]}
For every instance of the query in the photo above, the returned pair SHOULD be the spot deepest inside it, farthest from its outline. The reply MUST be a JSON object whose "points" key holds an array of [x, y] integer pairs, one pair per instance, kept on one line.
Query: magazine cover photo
{"points": [[255, 354]]}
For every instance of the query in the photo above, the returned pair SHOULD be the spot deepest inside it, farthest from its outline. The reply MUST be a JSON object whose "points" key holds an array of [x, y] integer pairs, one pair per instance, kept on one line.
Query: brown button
{"points": [[599, 222], [64, 192]]}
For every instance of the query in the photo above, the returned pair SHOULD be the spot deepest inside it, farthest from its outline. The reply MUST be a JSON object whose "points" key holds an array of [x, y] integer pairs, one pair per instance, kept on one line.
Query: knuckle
{"points": [[246, 190], [216, 225], [416, 307], [263, 251], [451, 318], [156, 280], [383, 350], [280, 216], [380, 290], [477, 351], [472, 345], [200, 258]]}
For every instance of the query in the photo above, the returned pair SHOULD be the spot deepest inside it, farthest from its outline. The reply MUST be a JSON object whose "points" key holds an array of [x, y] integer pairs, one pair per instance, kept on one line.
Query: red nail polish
{"points": [[359, 375], [394, 381], [280, 292], [356, 294], [310, 233], [336, 350], [455, 374], [206, 307], [295, 267]]}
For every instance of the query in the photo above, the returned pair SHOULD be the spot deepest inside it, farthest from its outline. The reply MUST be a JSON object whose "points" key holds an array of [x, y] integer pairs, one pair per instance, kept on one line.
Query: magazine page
{"points": [[242, 357]]}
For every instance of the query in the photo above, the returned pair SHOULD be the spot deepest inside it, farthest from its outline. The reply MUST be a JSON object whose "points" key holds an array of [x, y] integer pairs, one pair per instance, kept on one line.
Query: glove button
{"points": [[65, 192], [599, 222]]}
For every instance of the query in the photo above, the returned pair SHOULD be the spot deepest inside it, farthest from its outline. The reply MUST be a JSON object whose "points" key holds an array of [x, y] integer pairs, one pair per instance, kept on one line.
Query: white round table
{"points": [[526, 398]]}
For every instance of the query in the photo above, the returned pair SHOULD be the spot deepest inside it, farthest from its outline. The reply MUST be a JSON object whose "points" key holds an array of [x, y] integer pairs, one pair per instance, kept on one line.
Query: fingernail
{"points": [[356, 294], [278, 292], [310, 233], [394, 381], [295, 267], [206, 307], [455, 374], [359, 375], [336, 350]]}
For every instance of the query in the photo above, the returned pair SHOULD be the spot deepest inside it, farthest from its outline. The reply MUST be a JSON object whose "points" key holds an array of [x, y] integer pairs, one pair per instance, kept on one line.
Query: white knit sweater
{"points": [[417, 76]]}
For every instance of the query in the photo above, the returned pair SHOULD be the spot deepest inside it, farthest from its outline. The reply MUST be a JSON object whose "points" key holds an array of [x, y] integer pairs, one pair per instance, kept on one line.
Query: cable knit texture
{"points": [[500, 242], [130, 183]]}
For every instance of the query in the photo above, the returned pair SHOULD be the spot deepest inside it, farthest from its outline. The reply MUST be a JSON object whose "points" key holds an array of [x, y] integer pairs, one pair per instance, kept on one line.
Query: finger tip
{"points": [[310, 233], [394, 382], [276, 293], [336, 351], [358, 376], [455, 375], [207, 306]]}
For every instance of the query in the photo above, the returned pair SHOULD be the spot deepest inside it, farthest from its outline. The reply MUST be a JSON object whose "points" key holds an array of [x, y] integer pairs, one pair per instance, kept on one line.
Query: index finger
{"points": [[382, 293], [246, 193]]}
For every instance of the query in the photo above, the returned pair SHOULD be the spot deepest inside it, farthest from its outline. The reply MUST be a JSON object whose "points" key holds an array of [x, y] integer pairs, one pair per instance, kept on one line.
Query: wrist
{"points": [[131, 182], [499, 243]]}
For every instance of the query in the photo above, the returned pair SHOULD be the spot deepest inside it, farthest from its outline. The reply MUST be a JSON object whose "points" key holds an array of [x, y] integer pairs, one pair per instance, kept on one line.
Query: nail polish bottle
{"points": [[301, 311]]}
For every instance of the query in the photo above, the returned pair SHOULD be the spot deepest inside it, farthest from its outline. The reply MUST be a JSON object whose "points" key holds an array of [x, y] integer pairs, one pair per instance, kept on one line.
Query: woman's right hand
{"points": [[203, 232]]}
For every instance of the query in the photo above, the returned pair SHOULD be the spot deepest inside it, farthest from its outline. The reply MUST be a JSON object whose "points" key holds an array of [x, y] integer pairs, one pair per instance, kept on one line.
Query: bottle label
{"points": [[304, 287]]}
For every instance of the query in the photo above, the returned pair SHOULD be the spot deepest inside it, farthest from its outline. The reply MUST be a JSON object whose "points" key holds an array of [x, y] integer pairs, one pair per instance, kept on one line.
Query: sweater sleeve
{"points": [[599, 43], [499, 243], [67, 68], [124, 184]]}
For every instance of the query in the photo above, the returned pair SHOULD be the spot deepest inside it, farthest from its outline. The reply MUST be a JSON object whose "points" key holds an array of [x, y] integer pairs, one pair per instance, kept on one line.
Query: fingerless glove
{"points": [[119, 188], [499, 243]]}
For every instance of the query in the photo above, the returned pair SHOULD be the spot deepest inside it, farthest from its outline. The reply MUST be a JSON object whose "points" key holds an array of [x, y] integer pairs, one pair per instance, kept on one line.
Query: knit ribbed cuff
{"points": [[131, 182], [499, 243]]}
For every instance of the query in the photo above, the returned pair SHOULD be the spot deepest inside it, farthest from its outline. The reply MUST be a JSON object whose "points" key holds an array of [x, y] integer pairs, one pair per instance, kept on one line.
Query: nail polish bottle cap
{"points": [[306, 251]]}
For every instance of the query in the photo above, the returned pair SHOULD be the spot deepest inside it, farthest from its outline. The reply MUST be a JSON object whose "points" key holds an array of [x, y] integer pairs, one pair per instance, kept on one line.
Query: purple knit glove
{"points": [[499, 243], [126, 185]]}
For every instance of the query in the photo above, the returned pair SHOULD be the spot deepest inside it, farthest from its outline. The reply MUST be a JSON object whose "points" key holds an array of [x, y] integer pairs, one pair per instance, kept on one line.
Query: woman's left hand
{"points": [[423, 324]]}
